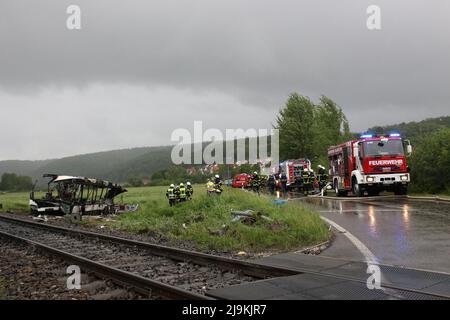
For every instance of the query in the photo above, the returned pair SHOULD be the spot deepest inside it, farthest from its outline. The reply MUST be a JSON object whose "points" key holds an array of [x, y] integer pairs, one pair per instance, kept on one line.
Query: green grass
{"points": [[440, 195], [16, 201], [292, 226], [204, 216]]}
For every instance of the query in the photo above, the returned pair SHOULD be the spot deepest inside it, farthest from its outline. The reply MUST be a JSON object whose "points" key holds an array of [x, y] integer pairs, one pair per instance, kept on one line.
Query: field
{"points": [[207, 220]]}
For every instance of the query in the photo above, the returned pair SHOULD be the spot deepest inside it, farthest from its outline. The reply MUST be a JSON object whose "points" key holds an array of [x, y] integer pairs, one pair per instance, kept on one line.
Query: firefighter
{"points": [[170, 194], [218, 184], [322, 177], [256, 182], [271, 183], [306, 181], [210, 187], [283, 182], [182, 193], [177, 193], [189, 191]]}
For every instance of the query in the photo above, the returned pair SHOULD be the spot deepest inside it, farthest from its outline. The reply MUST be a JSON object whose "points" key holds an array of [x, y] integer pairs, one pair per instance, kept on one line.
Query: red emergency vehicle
{"points": [[241, 180], [293, 168], [372, 164]]}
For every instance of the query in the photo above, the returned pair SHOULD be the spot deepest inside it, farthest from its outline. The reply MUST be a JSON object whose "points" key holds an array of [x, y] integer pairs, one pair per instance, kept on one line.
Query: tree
{"points": [[295, 123], [430, 163], [308, 129]]}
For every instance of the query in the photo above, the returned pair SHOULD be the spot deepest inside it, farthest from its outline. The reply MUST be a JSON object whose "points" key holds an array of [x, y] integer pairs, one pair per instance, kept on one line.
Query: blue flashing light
{"points": [[367, 136], [394, 135]]}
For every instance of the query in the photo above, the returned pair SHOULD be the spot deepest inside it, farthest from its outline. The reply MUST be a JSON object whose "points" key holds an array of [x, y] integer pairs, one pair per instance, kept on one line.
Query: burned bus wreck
{"points": [[76, 195]]}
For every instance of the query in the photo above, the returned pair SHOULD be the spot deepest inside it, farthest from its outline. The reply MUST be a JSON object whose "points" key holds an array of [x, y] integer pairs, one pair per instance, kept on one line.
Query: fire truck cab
{"points": [[370, 165]]}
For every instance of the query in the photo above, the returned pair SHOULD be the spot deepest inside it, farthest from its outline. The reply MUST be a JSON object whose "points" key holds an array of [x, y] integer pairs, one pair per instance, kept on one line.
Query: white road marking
{"points": [[365, 210], [368, 255]]}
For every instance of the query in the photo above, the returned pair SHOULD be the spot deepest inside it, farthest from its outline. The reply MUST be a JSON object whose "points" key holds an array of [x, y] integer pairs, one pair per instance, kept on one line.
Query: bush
{"points": [[430, 163]]}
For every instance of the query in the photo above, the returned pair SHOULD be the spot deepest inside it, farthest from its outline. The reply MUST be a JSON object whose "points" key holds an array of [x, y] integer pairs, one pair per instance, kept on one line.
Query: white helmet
{"points": [[188, 183], [217, 176], [181, 184], [321, 166], [172, 185], [255, 172]]}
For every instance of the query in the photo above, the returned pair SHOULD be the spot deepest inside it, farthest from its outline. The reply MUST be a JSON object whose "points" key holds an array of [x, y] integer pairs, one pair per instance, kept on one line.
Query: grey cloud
{"points": [[255, 51]]}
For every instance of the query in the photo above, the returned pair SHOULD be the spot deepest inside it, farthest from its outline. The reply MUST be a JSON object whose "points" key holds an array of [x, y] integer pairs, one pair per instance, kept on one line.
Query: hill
{"points": [[116, 165], [121, 165], [415, 131]]}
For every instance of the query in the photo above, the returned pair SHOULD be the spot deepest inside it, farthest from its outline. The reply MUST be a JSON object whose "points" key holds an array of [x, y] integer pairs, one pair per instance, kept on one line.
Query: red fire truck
{"points": [[293, 169], [372, 164]]}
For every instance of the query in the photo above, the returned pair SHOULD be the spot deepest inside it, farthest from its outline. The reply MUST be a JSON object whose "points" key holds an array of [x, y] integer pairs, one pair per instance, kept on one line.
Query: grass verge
{"points": [[207, 220]]}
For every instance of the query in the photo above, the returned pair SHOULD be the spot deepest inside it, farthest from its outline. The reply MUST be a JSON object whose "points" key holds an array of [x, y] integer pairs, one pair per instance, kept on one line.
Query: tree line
{"points": [[14, 183]]}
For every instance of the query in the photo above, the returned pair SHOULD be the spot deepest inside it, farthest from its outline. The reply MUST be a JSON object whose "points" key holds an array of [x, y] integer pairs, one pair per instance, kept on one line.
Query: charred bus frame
{"points": [[76, 195]]}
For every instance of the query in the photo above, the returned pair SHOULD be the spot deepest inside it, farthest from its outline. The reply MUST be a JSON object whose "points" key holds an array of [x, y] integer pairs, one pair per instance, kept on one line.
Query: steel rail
{"points": [[250, 268], [123, 278]]}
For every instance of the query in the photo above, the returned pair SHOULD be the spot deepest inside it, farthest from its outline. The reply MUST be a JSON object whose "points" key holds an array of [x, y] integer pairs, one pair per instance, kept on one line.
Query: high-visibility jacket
{"points": [[210, 186], [182, 193], [306, 178], [256, 181], [170, 193], [322, 177]]}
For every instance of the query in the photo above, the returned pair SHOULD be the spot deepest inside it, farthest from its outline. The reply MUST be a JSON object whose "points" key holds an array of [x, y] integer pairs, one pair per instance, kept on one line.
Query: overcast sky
{"points": [[137, 70]]}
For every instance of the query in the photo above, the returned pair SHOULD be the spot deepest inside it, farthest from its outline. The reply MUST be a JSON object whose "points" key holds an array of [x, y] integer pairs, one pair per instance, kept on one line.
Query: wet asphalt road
{"points": [[398, 231]]}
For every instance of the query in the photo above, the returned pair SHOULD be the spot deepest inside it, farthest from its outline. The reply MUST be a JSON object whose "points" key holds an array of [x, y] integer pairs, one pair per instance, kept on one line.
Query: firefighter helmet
{"points": [[182, 184], [217, 176], [188, 183], [172, 185]]}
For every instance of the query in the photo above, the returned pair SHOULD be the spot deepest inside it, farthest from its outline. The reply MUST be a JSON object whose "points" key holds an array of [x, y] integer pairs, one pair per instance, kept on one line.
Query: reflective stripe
{"points": [[170, 193]]}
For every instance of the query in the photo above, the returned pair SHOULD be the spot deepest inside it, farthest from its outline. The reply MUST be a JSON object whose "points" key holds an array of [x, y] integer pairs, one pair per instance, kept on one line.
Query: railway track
{"points": [[147, 268], [151, 269]]}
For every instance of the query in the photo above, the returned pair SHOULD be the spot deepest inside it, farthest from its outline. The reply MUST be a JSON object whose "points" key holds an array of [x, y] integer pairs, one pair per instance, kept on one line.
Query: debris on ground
{"points": [[221, 232], [242, 253], [40, 218], [122, 208], [248, 216], [279, 201]]}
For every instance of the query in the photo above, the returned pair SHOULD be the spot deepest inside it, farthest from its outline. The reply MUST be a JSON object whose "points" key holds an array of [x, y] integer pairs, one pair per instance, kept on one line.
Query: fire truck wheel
{"points": [[337, 191], [357, 191]]}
